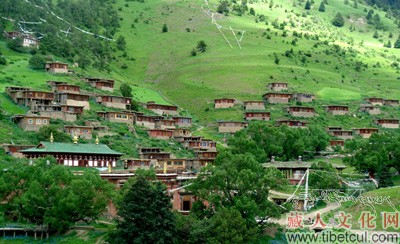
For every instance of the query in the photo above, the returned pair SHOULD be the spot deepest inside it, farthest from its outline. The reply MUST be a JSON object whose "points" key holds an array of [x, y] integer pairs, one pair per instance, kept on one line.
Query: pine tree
{"points": [[308, 5], [321, 7], [397, 43], [165, 28], [376, 34], [338, 21], [146, 214]]}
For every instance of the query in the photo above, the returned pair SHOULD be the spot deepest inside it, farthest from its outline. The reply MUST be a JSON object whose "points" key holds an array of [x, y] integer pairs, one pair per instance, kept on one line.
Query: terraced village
{"points": [[228, 115]]}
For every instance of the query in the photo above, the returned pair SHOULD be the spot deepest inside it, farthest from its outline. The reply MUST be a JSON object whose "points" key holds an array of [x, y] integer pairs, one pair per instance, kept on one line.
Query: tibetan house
{"points": [[147, 121], [64, 112], [365, 132], [336, 143], [375, 101], [332, 128], [342, 134], [84, 132], [102, 84], [299, 111], [181, 132], [391, 102], [254, 105], [73, 99], [224, 103], [117, 117], [114, 101], [255, 115], [370, 109], [388, 123], [292, 123], [231, 126], [30, 98], [57, 67], [153, 153], [160, 134], [75, 154], [303, 97], [31, 122], [64, 87], [165, 123], [276, 97], [277, 86], [162, 109], [337, 109], [182, 121]]}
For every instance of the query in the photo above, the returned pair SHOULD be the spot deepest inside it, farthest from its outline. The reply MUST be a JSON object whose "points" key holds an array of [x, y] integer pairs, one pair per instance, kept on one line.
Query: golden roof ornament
{"points": [[51, 137], [97, 140], [76, 139]]}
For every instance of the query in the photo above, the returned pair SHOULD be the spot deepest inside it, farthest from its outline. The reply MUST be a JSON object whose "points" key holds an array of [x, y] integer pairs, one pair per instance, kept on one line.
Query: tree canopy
{"points": [[50, 195], [145, 211], [236, 191]]}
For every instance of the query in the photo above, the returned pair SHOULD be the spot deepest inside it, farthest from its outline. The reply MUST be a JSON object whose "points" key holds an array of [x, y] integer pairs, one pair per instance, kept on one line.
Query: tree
{"points": [[165, 28], [252, 12], [201, 46], [355, 4], [323, 176], [37, 62], [377, 154], [223, 7], [45, 133], [308, 5], [236, 189], [16, 44], [376, 34], [3, 60], [126, 90], [397, 43], [193, 52], [145, 213], [50, 195], [121, 43], [338, 21], [321, 7]]}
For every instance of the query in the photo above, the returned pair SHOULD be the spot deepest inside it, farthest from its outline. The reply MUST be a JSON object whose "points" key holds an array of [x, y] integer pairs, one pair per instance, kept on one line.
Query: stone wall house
{"points": [[365, 132], [375, 101], [165, 123], [391, 102], [84, 132], [114, 101], [162, 109], [147, 121], [182, 121], [337, 109], [63, 112], [66, 88], [160, 134], [292, 123], [117, 117], [274, 97], [224, 103], [14, 150], [31, 122], [342, 134], [30, 98], [254, 105], [370, 109], [299, 111], [388, 123], [57, 67], [231, 126], [102, 84], [256, 115], [73, 99], [303, 97]]}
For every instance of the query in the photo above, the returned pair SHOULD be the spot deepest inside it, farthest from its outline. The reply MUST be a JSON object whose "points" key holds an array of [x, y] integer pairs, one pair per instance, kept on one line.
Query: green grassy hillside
{"points": [[339, 65]]}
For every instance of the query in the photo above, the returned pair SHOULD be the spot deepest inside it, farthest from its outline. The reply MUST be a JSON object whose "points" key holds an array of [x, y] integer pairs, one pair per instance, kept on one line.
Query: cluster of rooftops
{"points": [[278, 94]]}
